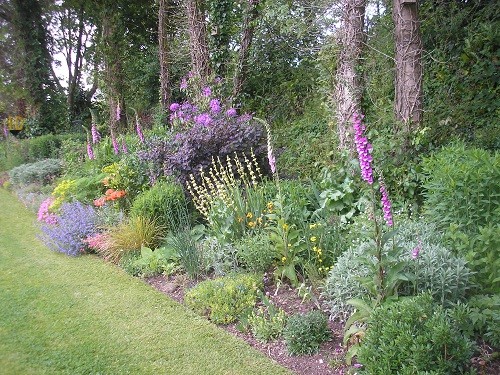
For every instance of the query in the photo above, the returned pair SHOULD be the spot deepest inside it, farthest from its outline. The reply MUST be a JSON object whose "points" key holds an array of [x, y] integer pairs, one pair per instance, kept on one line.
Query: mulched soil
{"points": [[330, 358]]}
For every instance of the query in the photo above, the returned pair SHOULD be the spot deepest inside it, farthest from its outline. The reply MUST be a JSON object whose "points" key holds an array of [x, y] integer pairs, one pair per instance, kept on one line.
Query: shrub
{"points": [[224, 299], [219, 257], [413, 336], [164, 202], [304, 333], [149, 263], [255, 252], [42, 172], [461, 187], [184, 243], [75, 223], [44, 147]]}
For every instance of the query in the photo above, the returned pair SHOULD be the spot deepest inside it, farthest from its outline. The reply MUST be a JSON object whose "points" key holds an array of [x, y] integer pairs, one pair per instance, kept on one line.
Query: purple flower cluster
{"points": [[116, 149], [124, 146], [386, 205], [75, 223], [203, 119], [364, 149], [138, 129], [90, 151], [96, 136], [416, 251], [215, 106]]}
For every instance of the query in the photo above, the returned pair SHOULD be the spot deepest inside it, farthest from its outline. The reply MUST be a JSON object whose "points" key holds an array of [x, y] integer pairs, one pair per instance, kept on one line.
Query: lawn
{"points": [[63, 315]]}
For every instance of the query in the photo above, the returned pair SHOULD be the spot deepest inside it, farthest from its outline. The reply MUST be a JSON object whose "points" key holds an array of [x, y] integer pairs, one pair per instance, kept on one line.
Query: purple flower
{"points": [[364, 149], [118, 111], [386, 205], [116, 149], [44, 215], [96, 137], [203, 119], [5, 131], [217, 80], [174, 107], [206, 91], [357, 365], [215, 105], [124, 146], [416, 251], [184, 83], [231, 112], [90, 152], [139, 130], [272, 160]]}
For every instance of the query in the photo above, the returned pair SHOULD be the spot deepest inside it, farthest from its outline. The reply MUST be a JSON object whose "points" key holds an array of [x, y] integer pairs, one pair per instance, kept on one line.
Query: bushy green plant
{"points": [[13, 153], [304, 333], [413, 336], [219, 257], [226, 298], [44, 147], [43, 172], [461, 187], [150, 262], [255, 252], [164, 202], [267, 322], [185, 243]]}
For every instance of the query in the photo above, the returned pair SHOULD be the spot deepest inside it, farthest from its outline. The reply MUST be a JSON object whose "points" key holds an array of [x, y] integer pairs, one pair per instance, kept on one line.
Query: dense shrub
{"points": [[461, 187], [185, 243], [42, 172], [13, 153], [220, 257], [75, 223], [224, 299], [255, 252], [413, 336], [304, 333], [44, 147], [164, 202]]}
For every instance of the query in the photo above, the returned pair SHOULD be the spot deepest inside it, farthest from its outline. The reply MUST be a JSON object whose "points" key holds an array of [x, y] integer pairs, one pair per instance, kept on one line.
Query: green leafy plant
{"points": [[255, 252], [219, 257], [304, 333], [226, 298], [164, 202], [413, 336], [153, 262], [267, 322], [42, 172], [185, 243]]}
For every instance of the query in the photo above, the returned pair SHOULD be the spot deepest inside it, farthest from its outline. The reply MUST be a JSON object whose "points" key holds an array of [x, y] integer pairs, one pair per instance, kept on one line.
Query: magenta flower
{"points": [[272, 160], [184, 84], [206, 91], [364, 149], [116, 149], [139, 130], [215, 105], [5, 131], [96, 137], [44, 214], [124, 146], [231, 112], [386, 205], [118, 111], [174, 107], [416, 251], [90, 152], [203, 119]]}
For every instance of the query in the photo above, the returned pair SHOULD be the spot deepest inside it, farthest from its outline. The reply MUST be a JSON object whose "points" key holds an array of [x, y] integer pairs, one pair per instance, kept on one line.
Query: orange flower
{"points": [[100, 202], [109, 192]]}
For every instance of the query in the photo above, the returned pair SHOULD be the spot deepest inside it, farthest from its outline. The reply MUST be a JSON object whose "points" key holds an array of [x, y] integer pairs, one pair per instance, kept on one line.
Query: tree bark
{"points": [[200, 63], [408, 106], [348, 86], [163, 51], [246, 40]]}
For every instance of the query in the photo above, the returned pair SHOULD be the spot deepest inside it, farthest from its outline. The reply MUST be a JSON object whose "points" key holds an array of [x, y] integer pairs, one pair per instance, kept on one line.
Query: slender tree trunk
{"points": [[163, 51], [75, 67], [348, 88], [408, 106], [246, 40], [200, 63]]}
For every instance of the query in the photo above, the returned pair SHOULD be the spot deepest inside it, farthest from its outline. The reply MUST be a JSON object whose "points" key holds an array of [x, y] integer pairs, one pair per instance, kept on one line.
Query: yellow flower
{"points": [[259, 220], [289, 245], [313, 239], [251, 224], [270, 206], [285, 227], [312, 226], [249, 215], [283, 259], [320, 260], [240, 219]]}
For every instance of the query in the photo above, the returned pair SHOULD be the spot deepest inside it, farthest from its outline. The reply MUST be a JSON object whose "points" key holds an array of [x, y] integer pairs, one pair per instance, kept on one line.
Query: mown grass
{"points": [[62, 315]]}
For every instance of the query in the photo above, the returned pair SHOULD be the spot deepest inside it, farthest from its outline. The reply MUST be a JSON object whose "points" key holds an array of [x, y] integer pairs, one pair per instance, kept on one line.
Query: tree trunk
{"points": [[200, 63], [408, 82], [163, 51], [348, 82], [246, 40]]}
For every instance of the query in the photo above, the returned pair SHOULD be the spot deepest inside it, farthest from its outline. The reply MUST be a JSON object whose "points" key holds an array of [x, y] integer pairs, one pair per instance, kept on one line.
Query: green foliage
{"points": [[413, 336], [13, 153], [220, 257], [163, 202], [185, 243], [255, 252], [304, 333], [43, 172], [267, 322], [461, 187], [481, 251], [224, 299], [150, 263]]}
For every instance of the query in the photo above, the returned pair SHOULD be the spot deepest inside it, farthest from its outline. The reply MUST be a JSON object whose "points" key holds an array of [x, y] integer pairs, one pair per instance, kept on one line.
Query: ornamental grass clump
{"points": [[74, 224]]}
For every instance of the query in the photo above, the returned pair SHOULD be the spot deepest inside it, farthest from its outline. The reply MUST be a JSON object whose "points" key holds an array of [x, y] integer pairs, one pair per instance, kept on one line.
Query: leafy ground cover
{"points": [[60, 315]]}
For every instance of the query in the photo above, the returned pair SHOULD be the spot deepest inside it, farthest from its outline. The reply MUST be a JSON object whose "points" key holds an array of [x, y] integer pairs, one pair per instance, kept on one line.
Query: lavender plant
{"points": [[75, 223]]}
